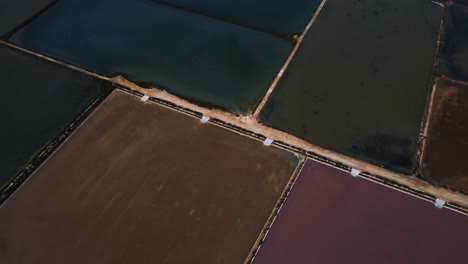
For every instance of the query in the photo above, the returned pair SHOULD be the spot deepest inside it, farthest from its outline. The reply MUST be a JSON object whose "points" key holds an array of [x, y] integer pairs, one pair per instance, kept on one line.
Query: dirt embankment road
{"points": [[249, 123]]}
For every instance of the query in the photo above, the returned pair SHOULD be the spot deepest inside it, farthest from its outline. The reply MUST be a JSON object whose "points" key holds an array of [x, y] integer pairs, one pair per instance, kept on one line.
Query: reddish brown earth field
{"points": [[139, 183], [332, 217], [446, 151]]}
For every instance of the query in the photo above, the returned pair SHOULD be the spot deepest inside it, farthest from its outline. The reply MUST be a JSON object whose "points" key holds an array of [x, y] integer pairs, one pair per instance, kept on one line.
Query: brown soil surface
{"points": [[251, 124], [332, 217], [139, 183], [446, 150]]}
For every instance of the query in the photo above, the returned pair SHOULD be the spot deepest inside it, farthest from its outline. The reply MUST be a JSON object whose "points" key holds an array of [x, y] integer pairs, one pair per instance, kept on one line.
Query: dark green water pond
{"points": [[359, 82], [454, 55], [461, 2], [279, 16], [14, 12], [38, 100], [192, 56]]}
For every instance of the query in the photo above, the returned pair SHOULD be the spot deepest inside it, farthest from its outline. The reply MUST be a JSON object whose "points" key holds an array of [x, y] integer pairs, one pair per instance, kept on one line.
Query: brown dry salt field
{"points": [[376, 88], [152, 186]]}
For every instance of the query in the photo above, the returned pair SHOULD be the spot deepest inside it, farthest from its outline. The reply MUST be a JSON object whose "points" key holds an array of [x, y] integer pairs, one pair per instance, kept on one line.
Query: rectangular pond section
{"points": [[454, 55], [332, 217], [446, 150], [140, 183], [359, 81], [39, 99], [460, 2], [190, 55], [14, 13], [278, 16]]}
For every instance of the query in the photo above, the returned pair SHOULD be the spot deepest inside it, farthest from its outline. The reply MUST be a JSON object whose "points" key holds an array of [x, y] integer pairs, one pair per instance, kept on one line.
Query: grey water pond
{"points": [[279, 16], [190, 55], [38, 100], [359, 81], [454, 55], [14, 12]]}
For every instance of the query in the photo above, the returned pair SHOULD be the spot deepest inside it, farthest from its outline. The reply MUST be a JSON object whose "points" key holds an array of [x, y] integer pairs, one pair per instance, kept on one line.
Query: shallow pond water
{"points": [[38, 100], [359, 81], [14, 12], [192, 56], [279, 16], [454, 55]]}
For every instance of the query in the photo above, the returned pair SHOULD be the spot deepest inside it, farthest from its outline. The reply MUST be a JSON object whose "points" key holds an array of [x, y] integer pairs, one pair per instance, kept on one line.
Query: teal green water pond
{"points": [[192, 56], [14, 12], [279, 16]]}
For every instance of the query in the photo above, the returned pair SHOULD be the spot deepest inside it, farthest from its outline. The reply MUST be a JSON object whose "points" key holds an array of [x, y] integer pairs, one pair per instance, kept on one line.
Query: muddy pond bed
{"points": [[446, 150]]}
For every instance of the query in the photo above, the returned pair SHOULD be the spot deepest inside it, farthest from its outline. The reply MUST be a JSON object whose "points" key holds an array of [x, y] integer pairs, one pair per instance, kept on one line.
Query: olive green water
{"points": [[192, 56], [38, 100], [359, 81]]}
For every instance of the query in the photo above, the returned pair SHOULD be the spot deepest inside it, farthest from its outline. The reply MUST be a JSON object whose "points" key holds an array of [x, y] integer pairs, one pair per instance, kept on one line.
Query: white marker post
{"points": [[355, 172], [439, 203], [144, 98], [204, 119], [268, 142], [439, 4], [280, 74]]}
